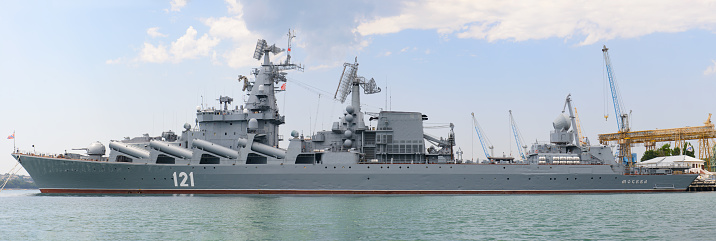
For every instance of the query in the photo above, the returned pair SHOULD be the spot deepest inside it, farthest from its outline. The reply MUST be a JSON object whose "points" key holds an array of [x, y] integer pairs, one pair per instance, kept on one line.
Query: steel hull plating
{"points": [[55, 175]]}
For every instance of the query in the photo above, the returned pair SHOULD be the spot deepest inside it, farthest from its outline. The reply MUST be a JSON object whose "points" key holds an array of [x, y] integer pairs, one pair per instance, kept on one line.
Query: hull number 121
{"points": [[183, 176]]}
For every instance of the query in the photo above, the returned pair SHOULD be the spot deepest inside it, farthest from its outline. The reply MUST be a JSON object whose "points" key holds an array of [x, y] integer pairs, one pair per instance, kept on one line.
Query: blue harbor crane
{"points": [[518, 137], [624, 152], [484, 141]]}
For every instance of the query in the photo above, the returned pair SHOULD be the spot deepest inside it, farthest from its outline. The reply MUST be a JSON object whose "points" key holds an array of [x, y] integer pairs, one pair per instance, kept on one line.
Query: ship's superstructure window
{"points": [[209, 159], [164, 159], [121, 158]]}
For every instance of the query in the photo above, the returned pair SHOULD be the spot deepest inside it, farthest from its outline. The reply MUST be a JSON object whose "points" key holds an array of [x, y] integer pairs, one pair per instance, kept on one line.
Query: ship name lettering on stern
{"points": [[184, 177], [633, 181]]}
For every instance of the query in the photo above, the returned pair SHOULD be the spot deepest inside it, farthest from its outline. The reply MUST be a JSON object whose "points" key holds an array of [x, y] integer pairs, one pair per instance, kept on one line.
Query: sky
{"points": [[75, 72]]}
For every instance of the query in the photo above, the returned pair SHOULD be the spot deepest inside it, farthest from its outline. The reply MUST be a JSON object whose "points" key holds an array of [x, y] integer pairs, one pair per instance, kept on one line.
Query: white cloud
{"points": [[113, 61], [244, 41], [185, 47], [177, 5], [405, 49], [154, 32], [229, 27], [387, 53], [235, 7], [153, 54], [592, 21], [189, 47], [427, 51], [711, 69]]}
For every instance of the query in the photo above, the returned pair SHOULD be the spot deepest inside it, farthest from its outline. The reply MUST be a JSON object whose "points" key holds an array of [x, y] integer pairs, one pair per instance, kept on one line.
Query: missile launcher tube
{"points": [[264, 149], [168, 148], [129, 150], [216, 149]]}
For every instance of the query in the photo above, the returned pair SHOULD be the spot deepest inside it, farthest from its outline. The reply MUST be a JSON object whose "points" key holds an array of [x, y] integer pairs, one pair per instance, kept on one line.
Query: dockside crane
{"points": [[518, 137], [484, 141], [624, 153], [582, 139]]}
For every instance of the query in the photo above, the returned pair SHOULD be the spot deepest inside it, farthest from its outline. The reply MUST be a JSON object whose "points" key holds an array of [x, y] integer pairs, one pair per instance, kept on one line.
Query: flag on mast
{"points": [[11, 136], [283, 87]]}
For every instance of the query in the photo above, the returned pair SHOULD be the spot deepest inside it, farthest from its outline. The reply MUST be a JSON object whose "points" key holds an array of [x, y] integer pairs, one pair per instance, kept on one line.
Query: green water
{"points": [[28, 215]]}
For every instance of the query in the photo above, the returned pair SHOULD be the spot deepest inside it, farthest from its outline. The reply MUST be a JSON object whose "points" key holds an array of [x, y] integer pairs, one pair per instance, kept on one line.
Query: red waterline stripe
{"points": [[325, 192]]}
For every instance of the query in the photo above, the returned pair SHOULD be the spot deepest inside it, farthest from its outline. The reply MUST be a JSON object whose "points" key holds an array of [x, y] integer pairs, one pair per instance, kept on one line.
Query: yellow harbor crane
{"points": [[582, 138], [704, 134]]}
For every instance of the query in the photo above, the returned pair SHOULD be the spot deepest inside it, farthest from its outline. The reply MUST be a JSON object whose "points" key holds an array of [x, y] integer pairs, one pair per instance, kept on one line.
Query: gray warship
{"points": [[236, 151]]}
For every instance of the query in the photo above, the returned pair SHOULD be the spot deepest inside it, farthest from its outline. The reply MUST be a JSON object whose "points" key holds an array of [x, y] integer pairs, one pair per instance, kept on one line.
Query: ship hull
{"points": [[57, 175]]}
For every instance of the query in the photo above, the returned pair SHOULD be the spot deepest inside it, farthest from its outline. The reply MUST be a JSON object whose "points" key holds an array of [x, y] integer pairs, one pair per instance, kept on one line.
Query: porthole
{"points": [[508, 178], [504, 167]]}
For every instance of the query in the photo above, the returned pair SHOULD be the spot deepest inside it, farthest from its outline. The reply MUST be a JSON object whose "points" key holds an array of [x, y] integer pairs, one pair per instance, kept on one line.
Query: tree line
{"points": [[666, 150]]}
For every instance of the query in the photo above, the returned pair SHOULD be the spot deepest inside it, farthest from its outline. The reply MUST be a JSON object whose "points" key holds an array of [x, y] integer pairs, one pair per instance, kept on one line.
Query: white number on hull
{"points": [[183, 181]]}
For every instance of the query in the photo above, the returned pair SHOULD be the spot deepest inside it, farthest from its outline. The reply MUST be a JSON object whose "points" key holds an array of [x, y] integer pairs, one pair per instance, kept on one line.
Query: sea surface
{"points": [[29, 215]]}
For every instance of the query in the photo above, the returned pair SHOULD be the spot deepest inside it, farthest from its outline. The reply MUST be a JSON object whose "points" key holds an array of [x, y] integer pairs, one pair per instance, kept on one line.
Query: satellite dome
{"points": [[347, 134], [350, 109], [347, 143], [187, 126], [198, 108], [561, 122], [253, 124], [294, 134], [349, 118], [96, 148]]}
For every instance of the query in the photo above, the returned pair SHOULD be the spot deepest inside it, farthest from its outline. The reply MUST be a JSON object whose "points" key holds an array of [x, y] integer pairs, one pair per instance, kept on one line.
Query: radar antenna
{"points": [[262, 47], [350, 77]]}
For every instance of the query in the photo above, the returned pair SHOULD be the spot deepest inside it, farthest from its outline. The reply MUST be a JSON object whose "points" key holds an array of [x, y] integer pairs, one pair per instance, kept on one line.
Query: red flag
{"points": [[289, 49], [283, 87]]}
